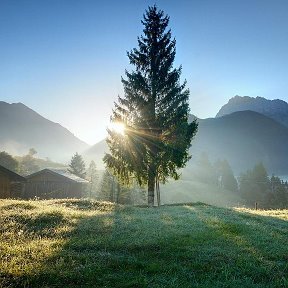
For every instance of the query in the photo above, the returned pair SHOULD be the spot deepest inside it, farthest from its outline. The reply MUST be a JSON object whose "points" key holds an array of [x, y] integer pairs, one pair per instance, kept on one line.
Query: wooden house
{"points": [[54, 183], [11, 184]]}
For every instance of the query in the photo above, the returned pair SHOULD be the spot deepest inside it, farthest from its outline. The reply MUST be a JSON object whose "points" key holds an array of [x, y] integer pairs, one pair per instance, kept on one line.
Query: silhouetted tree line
{"points": [[24, 165], [254, 186]]}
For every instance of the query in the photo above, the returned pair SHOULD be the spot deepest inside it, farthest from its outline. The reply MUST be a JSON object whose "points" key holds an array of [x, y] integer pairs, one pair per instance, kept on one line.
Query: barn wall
{"points": [[17, 189], [46, 177], [48, 190], [47, 186], [5, 186]]}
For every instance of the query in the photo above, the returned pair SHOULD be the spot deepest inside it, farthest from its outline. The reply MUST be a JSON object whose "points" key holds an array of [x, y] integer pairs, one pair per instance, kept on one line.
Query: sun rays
{"points": [[117, 127]]}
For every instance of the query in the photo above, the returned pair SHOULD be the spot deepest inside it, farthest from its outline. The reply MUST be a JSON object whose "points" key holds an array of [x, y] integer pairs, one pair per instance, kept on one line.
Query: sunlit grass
{"points": [[278, 213], [79, 243]]}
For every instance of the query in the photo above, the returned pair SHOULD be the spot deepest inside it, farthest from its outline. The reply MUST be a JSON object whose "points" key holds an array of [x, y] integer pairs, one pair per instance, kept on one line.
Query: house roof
{"points": [[12, 175], [60, 172]]}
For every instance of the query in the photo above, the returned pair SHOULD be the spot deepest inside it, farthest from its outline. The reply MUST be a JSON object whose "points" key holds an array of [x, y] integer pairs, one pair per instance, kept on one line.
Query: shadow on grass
{"points": [[195, 245]]}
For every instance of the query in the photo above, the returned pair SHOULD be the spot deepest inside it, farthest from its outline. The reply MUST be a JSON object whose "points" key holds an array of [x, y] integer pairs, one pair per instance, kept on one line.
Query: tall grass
{"points": [[79, 243]]}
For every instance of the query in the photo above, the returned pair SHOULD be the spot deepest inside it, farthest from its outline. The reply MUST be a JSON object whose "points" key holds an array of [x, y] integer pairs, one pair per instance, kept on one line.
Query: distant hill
{"points": [[96, 153], [275, 109], [22, 128], [243, 138]]}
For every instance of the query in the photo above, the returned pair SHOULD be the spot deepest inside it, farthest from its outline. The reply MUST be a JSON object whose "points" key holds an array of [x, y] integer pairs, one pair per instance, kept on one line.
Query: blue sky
{"points": [[65, 58]]}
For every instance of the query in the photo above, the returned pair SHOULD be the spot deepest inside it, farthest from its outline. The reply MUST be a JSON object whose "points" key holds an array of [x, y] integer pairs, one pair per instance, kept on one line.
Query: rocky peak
{"points": [[276, 109]]}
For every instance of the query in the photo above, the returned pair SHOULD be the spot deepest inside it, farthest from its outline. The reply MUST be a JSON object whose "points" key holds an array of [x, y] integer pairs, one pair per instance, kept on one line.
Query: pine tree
{"points": [[77, 166], [277, 198], [154, 111], [254, 185]]}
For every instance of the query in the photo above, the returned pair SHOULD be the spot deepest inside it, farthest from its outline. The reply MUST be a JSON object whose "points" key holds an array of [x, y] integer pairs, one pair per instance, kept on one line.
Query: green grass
{"points": [[78, 243]]}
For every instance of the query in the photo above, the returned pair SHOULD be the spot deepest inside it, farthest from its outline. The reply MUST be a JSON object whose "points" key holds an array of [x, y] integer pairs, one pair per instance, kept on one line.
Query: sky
{"points": [[65, 58]]}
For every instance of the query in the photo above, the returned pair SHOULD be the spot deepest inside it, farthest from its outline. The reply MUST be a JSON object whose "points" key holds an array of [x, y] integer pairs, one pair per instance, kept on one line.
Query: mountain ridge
{"points": [[245, 138], [22, 128], [276, 109]]}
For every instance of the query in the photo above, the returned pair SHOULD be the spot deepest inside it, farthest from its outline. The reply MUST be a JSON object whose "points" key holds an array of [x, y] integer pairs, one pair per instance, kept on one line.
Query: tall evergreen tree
{"points": [[77, 166], [278, 195], [154, 111], [254, 185]]}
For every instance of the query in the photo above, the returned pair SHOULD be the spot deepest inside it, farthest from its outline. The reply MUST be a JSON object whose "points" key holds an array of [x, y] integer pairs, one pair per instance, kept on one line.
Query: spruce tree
{"points": [[154, 110], [254, 185], [77, 166]]}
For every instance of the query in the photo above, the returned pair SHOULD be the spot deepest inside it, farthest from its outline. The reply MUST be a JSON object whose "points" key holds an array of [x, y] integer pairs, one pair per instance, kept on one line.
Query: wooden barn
{"points": [[52, 183], [11, 184]]}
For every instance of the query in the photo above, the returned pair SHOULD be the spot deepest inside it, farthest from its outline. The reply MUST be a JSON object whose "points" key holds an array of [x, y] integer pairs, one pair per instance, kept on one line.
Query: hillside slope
{"points": [[22, 128], [74, 243]]}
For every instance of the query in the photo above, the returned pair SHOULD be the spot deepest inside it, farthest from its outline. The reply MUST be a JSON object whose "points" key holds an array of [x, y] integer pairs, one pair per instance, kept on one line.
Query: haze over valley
{"points": [[242, 135]]}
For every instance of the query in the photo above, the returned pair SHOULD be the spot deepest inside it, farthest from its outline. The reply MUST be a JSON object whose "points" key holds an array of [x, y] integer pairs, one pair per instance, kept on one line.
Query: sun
{"points": [[117, 127]]}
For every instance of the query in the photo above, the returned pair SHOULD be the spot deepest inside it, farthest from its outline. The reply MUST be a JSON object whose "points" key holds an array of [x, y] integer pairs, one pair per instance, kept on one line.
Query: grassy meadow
{"points": [[79, 243]]}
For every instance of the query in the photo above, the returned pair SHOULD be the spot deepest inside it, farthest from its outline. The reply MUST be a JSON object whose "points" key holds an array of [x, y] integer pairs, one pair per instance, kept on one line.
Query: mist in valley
{"points": [[246, 131]]}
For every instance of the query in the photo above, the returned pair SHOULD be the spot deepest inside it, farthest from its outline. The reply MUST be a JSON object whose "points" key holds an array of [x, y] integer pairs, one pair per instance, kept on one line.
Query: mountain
{"points": [[275, 109], [22, 128], [243, 138]]}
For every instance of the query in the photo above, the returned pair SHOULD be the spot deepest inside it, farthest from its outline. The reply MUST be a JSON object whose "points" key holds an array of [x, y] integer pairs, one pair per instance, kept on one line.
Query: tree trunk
{"points": [[158, 192], [151, 190]]}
